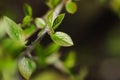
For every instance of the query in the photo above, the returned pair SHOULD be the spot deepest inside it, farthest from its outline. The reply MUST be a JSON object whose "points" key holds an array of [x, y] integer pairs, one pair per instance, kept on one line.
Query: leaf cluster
{"points": [[14, 38]]}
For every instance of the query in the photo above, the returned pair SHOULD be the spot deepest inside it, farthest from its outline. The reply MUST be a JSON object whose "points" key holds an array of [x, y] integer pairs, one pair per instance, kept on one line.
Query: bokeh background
{"points": [[94, 28]]}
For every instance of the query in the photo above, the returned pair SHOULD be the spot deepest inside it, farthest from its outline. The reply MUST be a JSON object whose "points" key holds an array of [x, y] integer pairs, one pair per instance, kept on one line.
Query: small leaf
{"points": [[62, 39], [26, 21], [13, 30], [51, 49], [29, 31], [40, 23], [52, 3], [71, 7], [26, 67], [49, 20], [2, 30], [58, 20], [70, 60], [28, 10]]}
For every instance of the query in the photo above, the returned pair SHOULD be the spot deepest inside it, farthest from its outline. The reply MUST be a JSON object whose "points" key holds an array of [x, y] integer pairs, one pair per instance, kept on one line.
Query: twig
{"points": [[30, 48]]}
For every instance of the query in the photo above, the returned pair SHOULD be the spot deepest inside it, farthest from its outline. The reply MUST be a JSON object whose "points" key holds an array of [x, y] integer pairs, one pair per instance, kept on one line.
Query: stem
{"points": [[30, 48]]}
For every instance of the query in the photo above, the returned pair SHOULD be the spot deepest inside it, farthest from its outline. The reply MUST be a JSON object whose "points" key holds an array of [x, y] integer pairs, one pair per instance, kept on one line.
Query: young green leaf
{"points": [[29, 31], [71, 7], [51, 49], [49, 20], [26, 21], [13, 30], [58, 21], [52, 3], [62, 39], [40, 23], [2, 31], [28, 10], [70, 60], [26, 67]]}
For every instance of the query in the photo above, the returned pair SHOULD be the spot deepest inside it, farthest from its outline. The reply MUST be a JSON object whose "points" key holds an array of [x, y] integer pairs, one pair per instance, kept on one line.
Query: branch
{"points": [[31, 47]]}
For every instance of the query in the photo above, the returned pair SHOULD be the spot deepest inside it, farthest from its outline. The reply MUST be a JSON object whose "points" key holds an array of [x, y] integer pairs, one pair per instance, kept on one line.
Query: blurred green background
{"points": [[95, 30]]}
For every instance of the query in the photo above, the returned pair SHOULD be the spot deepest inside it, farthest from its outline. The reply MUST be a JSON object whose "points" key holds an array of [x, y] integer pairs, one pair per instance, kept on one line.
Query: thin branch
{"points": [[30, 48]]}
